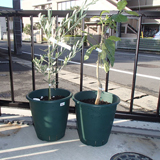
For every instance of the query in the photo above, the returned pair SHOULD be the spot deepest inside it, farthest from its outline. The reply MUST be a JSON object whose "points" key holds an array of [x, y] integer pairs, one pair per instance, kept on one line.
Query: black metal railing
{"points": [[119, 114]]}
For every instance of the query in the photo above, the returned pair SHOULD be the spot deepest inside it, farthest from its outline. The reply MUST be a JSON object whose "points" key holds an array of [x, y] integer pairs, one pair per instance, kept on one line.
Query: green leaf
{"points": [[89, 51], [95, 17], [110, 45], [49, 14], [111, 59], [103, 54], [121, 5], [65, 61], [81, 43], [119, 18], [104, 12], [87, 33], [106, 66], [114, 38], [56, 55], [132, 13]]}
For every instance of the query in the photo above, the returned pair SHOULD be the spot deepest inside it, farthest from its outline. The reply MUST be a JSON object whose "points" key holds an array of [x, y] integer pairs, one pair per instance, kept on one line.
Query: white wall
{"points": [[100, 5], [27, 5], [2, 27]]}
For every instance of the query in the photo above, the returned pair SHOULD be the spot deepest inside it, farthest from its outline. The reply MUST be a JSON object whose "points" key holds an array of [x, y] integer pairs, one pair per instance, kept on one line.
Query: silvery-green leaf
{"points": [[67, 15], [69, 22], [74, 12], [104, 12], [82, 41], [47, 26], [49, 14], [53, 63], [89, 51], [65, 61]]}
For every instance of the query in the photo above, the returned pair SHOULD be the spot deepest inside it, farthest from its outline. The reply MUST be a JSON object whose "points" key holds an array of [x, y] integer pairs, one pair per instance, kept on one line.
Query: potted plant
{"points": [[95, 110], [49, 107]]}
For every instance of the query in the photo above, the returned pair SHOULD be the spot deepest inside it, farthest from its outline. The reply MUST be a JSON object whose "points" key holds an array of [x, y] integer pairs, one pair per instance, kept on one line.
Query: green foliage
{"points": [[106, 47], [37, 25], [121, 5], [27, 29], [119, 18], [44, 39], [47, 64], [89, 51], [76, 30], [72, 35], [132, 13]]}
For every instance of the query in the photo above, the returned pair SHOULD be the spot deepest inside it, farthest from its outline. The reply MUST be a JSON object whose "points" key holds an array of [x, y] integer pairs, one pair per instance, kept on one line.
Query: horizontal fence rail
{"points": [[136, 45], [145, 44]]}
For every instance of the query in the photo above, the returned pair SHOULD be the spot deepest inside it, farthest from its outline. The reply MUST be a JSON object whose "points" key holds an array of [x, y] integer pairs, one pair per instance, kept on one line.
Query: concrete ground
{"points": [[18, 140]]}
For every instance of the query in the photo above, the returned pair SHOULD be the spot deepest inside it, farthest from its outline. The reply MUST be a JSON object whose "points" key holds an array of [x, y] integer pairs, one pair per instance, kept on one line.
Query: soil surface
{"points": [[92, 101], [53, 98]]}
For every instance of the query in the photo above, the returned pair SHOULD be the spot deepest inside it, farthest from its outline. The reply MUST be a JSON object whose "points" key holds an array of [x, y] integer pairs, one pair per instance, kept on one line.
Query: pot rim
{"points": [[93, 105], [59, 100]]}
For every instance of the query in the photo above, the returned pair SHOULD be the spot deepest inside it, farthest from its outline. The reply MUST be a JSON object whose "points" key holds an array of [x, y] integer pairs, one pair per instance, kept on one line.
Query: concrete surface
{"points": [[19, 141]]}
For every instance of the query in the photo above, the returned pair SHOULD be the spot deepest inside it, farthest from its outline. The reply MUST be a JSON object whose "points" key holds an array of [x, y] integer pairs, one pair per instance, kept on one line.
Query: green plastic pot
{"points": [[50, 117], [94, 122]]}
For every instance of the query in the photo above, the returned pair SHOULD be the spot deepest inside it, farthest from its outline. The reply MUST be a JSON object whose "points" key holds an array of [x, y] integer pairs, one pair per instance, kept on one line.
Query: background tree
{"points": [[27, 29]]}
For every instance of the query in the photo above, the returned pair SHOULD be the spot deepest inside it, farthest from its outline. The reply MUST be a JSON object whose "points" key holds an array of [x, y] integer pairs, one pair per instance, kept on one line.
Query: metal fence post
{"points": [[135, 64], [10, 60], [57, 58], [82, 59], [32, 53], [107, 74], [158, 105]]}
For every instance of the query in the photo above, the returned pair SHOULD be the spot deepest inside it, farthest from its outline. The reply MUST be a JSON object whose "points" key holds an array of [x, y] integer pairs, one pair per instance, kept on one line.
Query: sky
{"points": [[6, 3]]}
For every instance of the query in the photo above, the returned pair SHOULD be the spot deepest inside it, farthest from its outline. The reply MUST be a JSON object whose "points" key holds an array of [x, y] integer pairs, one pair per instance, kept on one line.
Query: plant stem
{"points": [[49, 72], [99, 91]]}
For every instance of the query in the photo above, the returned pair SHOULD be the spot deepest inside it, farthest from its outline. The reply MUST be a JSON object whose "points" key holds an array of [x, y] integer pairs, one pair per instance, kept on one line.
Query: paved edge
{"points": [[119, 126]]}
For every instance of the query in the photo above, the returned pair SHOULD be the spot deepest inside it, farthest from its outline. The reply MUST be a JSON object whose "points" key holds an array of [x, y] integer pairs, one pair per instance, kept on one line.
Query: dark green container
{"points": [[50, 117], [94, 122]]}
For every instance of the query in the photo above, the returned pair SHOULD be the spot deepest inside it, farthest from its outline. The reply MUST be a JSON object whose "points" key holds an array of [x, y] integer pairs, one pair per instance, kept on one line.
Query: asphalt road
{"points": [[148, 71]]}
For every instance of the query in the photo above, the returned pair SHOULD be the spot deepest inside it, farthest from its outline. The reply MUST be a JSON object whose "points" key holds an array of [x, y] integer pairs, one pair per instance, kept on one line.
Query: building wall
{"points": [[2, 27], [149, 26], [26, 5], [100, 5], [143, 4], [34, 5]]}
